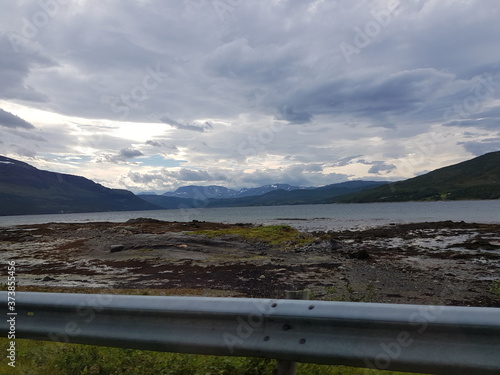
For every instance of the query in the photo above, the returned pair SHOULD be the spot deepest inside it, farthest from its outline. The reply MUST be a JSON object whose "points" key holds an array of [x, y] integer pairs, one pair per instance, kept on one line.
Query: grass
{"points": [[274, 235], [50, 358], [366, 293], [495, 288]]}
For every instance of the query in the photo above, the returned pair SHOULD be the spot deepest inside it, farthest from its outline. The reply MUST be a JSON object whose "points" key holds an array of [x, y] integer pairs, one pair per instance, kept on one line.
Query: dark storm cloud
{"points": [[9, 120], [15, 68], [186, 126], [128, 153], [296, 72], [123, 155], [478, 148], [399, 94], [153, 143], [27, 135], [24, 152], [347, 160], [380, 166], [190, 175], [489, 123], [294, 116]]}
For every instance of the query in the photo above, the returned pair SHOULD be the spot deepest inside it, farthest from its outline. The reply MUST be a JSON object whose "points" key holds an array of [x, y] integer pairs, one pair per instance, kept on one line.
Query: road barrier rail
{"points": [[411, 338]]}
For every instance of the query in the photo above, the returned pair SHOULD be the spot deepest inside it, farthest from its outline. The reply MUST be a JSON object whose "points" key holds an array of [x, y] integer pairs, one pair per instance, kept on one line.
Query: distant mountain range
{"points": [[268, 195], [478, 178], [221, 192], [299, 196], [25, 189]]}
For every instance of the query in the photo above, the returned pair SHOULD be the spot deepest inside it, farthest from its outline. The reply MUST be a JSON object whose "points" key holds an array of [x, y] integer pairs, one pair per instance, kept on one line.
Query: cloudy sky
{"points": [[150, 95]]}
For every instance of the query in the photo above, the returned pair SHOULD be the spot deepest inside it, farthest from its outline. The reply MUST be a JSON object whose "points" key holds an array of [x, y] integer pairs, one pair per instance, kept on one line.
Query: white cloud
{"points": [[260, 91]]}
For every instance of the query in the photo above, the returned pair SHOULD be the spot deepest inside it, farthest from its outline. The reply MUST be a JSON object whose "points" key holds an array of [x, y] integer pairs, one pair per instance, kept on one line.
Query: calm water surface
{"points": [[305, 217]]}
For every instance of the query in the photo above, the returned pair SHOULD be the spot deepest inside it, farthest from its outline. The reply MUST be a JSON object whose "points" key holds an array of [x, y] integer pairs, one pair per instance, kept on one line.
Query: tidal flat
{"points": [[446, 262]]}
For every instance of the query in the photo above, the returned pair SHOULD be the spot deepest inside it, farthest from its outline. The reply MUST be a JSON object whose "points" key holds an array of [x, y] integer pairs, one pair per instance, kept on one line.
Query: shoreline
{"points": [[449, 263]]}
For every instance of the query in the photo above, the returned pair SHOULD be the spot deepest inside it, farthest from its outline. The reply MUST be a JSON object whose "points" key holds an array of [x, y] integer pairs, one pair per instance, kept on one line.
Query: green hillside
{"points": [[478, 178]]}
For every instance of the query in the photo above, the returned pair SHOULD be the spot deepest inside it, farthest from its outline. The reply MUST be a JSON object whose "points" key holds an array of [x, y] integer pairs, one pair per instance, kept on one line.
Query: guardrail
{"points": [[411, 338]]}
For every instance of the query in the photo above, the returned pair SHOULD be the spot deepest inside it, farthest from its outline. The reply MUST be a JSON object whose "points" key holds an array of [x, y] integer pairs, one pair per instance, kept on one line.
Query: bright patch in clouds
{"points": [[153, 95]]}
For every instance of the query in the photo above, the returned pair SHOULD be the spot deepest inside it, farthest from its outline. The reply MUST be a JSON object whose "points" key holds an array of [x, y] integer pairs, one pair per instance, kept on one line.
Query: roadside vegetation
{"points": [[51, 358], [365, 293], [495, 288]]}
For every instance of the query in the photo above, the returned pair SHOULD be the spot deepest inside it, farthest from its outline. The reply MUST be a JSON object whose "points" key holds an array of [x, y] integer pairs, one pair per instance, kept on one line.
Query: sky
{"points": [[151, 95]]}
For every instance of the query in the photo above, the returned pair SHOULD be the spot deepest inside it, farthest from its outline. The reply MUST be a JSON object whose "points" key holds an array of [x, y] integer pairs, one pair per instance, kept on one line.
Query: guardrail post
{"points": [[290, 367]]}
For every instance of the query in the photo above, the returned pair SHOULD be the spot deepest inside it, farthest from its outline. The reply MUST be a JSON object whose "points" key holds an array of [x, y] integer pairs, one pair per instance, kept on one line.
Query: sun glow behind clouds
{"points": [[133, 131], [33, 115], [172, 90]]}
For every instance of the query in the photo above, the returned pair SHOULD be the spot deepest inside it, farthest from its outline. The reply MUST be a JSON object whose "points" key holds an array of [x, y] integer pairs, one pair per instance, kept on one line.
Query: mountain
{"points": [[201, 192], [265, 189], [478, 178], [26, 190], [167, 202], [298, 196], [273, 195], [221, 192]]}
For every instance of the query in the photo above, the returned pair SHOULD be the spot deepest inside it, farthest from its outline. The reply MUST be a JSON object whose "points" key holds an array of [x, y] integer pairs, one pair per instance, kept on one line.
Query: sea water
{"points": [[304, 217]]}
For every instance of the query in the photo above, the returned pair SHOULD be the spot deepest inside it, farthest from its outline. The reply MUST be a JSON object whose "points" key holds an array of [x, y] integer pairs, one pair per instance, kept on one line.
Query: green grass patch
{"points": [[50, 358], [495, 288], [366, 293], [275, 235]]}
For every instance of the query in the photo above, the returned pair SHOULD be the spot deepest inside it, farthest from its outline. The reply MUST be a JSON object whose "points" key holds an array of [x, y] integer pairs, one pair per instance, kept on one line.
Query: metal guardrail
{"points": [[411, 338]]}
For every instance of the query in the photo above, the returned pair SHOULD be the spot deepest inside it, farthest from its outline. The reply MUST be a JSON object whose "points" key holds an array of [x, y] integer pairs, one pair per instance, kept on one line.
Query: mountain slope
{"points": [[265, 189], [303, 196], [25, 190], [168, 202], [199, 192], [478, 178], [221, 192], [271, 198]]}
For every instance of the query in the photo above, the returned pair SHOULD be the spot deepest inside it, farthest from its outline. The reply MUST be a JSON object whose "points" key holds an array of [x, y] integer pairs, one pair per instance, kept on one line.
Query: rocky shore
{"points": [[450, 263]]}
